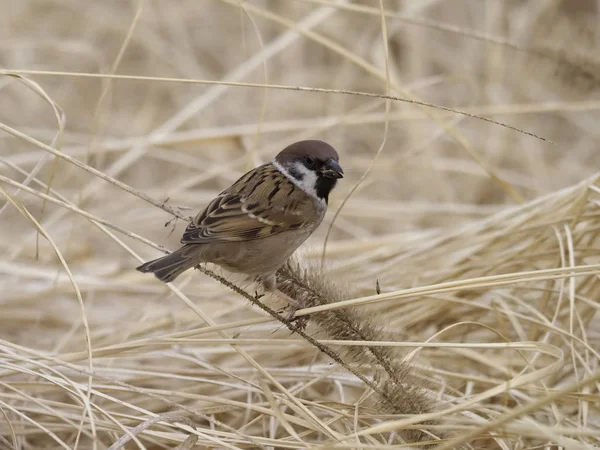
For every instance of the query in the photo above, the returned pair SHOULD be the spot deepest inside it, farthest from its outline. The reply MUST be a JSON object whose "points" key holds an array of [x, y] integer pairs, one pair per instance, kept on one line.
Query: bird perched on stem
{"points": [[256, 224]]}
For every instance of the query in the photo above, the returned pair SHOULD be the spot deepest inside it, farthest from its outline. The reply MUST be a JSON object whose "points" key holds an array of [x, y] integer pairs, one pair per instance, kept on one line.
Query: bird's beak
{"points": [[332, 169]]}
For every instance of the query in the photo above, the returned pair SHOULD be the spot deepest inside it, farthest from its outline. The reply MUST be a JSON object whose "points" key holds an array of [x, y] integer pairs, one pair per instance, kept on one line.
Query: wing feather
{"points": [[261, 203]]}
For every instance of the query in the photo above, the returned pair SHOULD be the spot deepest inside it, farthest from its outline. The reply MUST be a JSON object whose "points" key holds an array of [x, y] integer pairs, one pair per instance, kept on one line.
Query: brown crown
{"points": [[319, 150]]}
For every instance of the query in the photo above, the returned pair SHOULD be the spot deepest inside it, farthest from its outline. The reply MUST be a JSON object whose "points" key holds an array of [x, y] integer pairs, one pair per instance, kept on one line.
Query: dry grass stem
{"points": [[451, 296]]}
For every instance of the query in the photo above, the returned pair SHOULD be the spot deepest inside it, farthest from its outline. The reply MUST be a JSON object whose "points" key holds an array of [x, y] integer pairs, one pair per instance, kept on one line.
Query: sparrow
{"points": [[257, 223]]}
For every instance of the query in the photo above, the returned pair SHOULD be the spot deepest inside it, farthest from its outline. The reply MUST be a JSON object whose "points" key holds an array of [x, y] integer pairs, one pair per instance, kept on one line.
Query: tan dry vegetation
{"points": [[484, 240]]}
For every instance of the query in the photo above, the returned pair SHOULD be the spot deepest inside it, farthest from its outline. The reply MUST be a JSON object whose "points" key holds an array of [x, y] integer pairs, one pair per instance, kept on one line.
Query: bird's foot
{"points": [[269, 284], [293, 304]]}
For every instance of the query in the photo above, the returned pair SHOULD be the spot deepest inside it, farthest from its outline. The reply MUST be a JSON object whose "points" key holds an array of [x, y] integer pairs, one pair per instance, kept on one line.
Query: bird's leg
{"points": [[270, 284], [295, 305]]}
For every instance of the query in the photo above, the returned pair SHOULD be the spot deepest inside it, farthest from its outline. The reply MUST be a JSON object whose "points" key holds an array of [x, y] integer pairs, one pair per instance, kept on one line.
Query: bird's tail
{"points": [[169, 267]]}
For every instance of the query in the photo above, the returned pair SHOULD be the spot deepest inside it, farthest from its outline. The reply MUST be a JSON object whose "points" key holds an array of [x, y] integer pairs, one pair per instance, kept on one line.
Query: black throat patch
{"points": [[324, 186]]}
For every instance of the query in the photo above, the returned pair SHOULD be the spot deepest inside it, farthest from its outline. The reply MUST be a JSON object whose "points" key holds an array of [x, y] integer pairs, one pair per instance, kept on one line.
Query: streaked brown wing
{"points": [[249, 209]]}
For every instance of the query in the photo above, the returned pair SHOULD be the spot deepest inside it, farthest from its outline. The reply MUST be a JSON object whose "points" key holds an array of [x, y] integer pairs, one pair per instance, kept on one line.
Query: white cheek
{"points": [[308, 181]]}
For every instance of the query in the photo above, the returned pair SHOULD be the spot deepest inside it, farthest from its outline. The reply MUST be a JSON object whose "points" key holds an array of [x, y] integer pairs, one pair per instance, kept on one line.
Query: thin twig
{"points": [[277, 87], [296, 328]]}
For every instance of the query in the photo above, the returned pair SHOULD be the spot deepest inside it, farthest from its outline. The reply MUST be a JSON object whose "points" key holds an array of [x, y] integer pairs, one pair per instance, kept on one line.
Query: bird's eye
{"points": [[309, 161]]}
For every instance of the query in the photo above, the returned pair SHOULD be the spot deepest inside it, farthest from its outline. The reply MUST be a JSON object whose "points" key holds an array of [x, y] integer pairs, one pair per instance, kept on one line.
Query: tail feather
{"points": [[169, 267]]}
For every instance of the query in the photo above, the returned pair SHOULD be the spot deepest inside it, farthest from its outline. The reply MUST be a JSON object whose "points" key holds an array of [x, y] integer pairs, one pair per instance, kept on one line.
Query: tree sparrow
{"points": [[257, 223]]}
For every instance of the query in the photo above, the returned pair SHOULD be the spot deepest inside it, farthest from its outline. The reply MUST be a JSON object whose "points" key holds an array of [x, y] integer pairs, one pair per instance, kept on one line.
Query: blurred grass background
{"points": [[449, 197]]}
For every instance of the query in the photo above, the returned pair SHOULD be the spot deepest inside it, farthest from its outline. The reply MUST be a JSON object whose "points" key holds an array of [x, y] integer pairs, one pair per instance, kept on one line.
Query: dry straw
{"points": [[457, 302]]}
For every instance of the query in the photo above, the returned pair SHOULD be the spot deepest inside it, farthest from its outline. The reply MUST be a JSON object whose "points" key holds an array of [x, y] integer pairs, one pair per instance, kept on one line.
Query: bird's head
{"points": [[311, 165]]}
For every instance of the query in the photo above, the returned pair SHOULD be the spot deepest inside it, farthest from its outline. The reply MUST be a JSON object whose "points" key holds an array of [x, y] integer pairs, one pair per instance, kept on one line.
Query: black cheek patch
{"points": [[296, 173]]}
